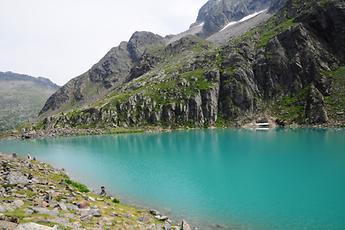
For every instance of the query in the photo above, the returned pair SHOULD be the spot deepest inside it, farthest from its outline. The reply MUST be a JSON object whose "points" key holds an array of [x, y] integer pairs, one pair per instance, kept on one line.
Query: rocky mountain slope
{"points": [[112, 70], [289, 68], [21, 98]]}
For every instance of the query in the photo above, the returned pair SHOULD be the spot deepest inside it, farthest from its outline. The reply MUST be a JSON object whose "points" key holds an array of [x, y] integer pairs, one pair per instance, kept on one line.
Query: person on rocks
{"points": [[29, 157], [103, 192], [30, 177]]}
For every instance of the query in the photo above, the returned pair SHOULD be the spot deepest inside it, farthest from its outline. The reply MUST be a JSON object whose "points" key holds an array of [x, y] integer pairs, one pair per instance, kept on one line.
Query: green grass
{"points": [[335, 102], [115, 201], [80, 187], [230, 70], [125, 130], [74, 114], [270, 33], [291, 109], [166, 92], [197, 80], [221, 123], [324, 3], [338, 73], [201, 46], [18, 213]]}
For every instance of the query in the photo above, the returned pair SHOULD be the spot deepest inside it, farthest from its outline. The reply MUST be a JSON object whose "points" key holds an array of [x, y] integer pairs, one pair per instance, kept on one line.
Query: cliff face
{"points": [[283, 69]]}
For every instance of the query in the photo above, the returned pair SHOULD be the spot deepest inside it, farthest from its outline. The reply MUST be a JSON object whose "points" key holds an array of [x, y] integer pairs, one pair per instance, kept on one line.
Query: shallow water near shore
{"points": [[281, 179]]}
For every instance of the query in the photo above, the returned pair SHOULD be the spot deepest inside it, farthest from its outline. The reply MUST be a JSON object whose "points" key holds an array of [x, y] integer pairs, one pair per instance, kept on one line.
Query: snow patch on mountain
{"points": [[250, 16]]}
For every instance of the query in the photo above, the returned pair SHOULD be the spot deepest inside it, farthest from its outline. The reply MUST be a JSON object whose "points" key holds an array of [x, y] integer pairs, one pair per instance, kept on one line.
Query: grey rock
{"points": [[33, 226], [185, 225], [17, 178], [94, 211], [61, 221], [29, 211], [18, 203], [45, 211], [6, 208], [161, 218], [167, 227], [7, 225], [142, 219], [62, 206], [91, 199], [315, 107], [154, 212], [89, 213], [72, 207]]}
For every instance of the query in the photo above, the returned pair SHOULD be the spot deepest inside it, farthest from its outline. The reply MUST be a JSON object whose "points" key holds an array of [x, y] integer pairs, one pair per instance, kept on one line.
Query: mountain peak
{"points": [[140, 41], [216, 14]]}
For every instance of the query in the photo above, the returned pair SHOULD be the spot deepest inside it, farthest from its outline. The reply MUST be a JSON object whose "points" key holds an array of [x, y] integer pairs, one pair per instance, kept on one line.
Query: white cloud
{"points": [[61, 39]]}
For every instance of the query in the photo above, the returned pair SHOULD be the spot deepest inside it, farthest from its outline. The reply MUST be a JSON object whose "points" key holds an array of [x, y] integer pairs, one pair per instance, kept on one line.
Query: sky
{"points": [[61, 39]]}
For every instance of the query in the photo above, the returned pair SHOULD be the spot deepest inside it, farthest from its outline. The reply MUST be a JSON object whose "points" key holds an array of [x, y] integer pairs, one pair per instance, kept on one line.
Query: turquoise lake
{"points": [[239, 179]]}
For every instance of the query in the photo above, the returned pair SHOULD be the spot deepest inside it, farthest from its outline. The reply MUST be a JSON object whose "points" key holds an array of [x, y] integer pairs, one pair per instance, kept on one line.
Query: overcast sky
{"points": [[61, 39]]}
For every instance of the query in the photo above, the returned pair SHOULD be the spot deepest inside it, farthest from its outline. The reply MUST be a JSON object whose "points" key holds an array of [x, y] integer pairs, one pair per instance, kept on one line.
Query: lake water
{"points": [[281, 179]]}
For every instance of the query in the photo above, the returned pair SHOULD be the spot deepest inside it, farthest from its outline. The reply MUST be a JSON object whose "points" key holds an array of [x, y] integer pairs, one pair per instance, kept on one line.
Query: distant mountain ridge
{"points": [[23, 77], [22, 97]]}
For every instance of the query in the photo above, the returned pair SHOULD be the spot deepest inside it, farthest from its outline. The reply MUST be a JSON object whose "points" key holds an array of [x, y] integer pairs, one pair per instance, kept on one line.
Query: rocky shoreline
{"points": [[70, 132], [33, 195]]}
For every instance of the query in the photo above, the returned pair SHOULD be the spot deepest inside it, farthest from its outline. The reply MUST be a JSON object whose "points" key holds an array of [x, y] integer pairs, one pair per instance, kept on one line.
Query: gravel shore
{"points": [[33, 195]]}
